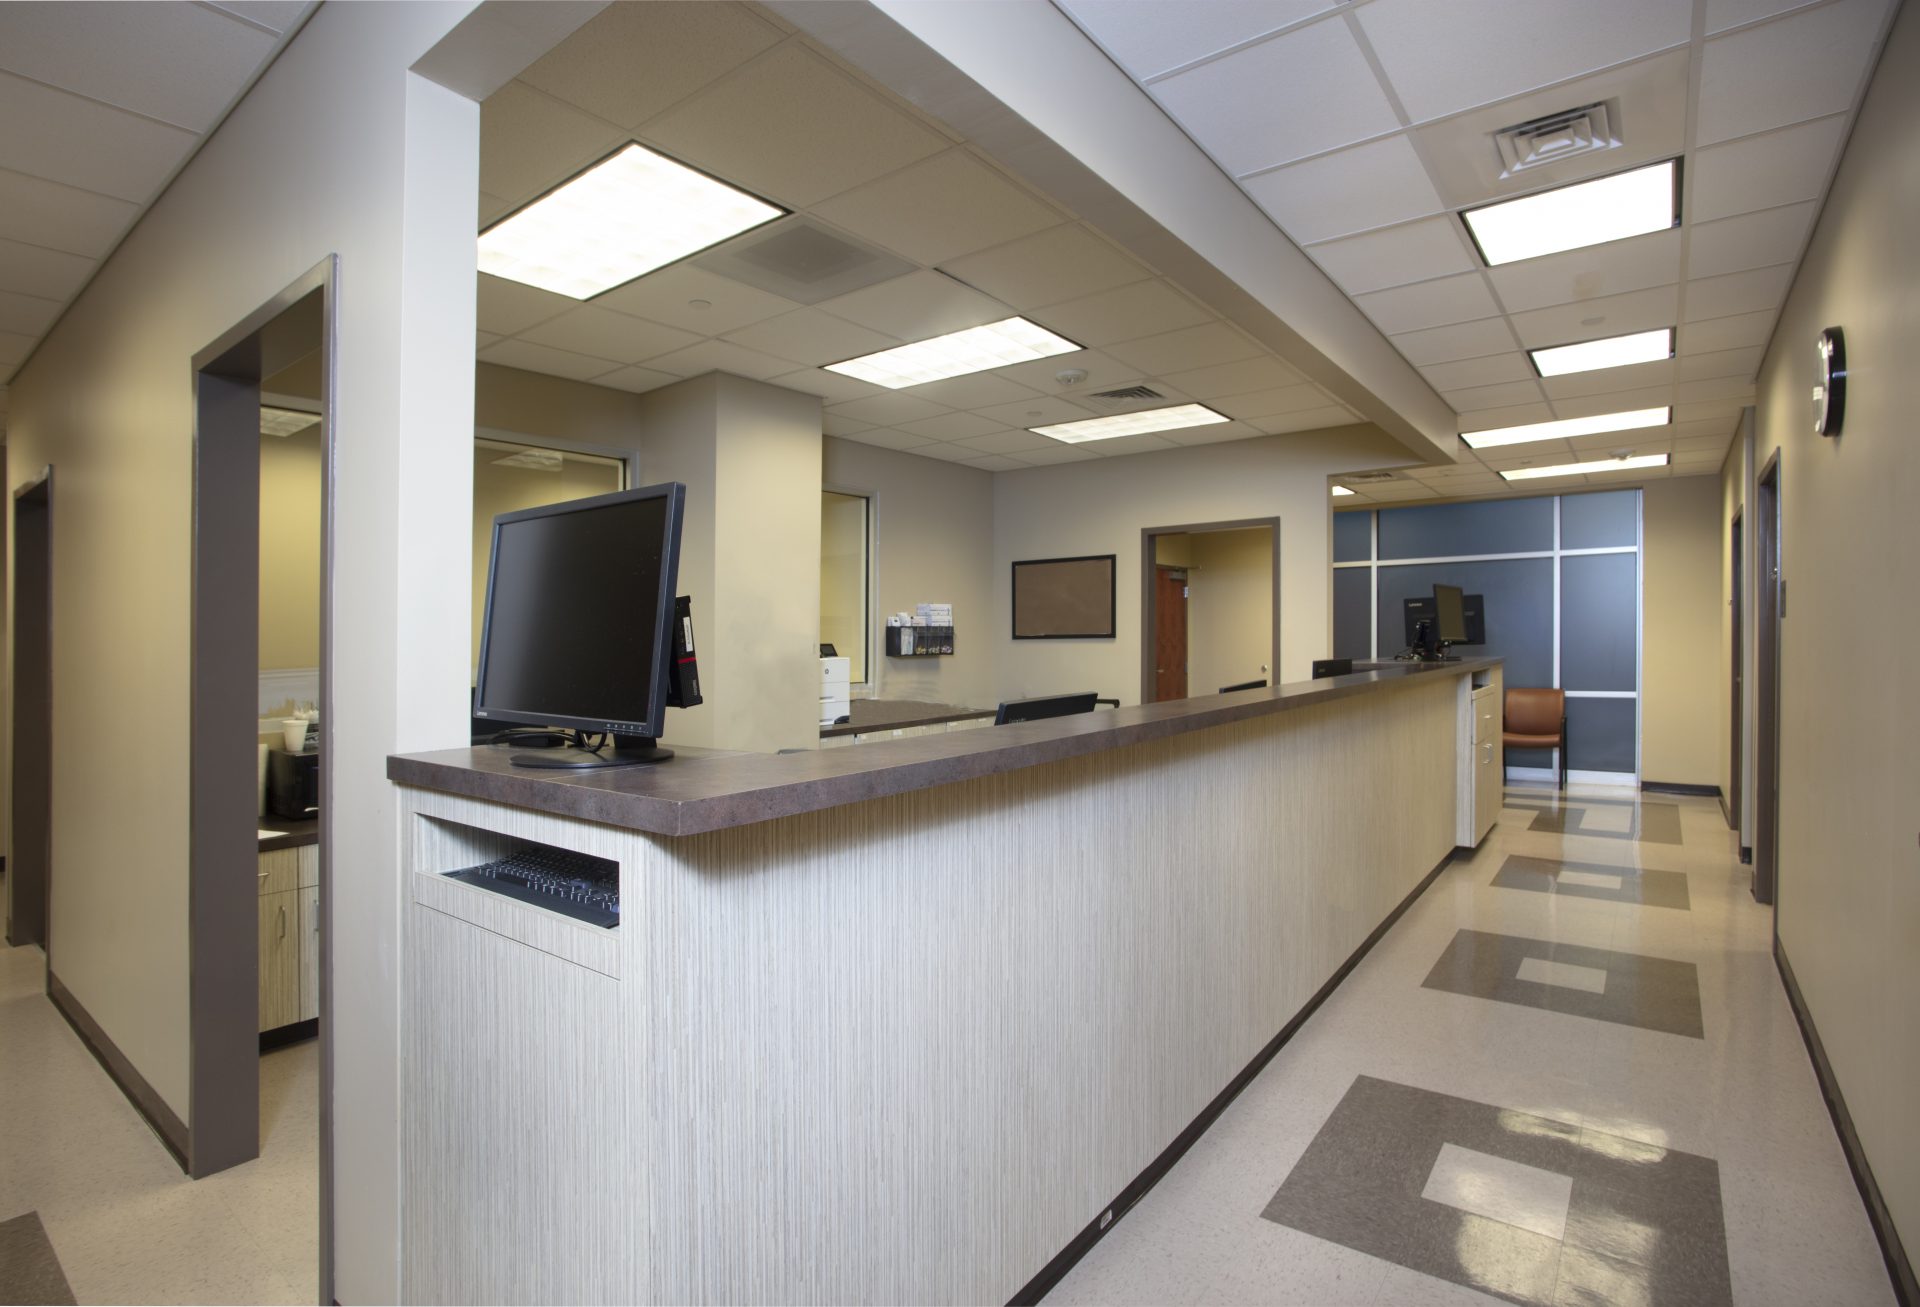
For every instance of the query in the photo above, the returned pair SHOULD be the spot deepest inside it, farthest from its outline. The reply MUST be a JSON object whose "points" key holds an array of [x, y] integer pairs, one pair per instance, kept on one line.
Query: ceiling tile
{"points": [[1742, 363], [1442, 58], [608, 335], [812, 337], [78, 142], [1103, 372], [1478, 372], [1762, 172], [1737, 389], [28, 314], [1752, 240], [954, 426], [1722, 14], [890, 410], [1616, 315], [492, 209], [1374, 185], [1142, 309], [530, 142], [510, 307], [14, 348], [886, 438], [917, 306], [1636, 376], [181, 64], [1737, 332], [1506, 417], [277, 15], [833, 424], [1010, 442], [58, 217], [1463, 340], [1058, 454], [1799, 67], [1272, 403], [973, 391], [721, 356], [1260, 373], [947, 453], [1219, 433], [1045, 410], [794, 127], [1638, 263], [482, 339], [1146, 39], [529, 357], [1505, 395], [1061, 263], [631, 62], [1701, 445], [637, 380], [997, 463], [1190, 347], [1311, 419], [830, 386], [668, 295], [1614, 401], [35, 270], [1754, 291], [1418, 251], [1463, 298], [940, 209], [1285, 98], [1121, 446], [1707, 411]]}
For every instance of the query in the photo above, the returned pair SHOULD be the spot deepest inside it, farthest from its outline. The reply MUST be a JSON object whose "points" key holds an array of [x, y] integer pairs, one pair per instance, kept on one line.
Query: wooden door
{"points": [[1170, 634]]}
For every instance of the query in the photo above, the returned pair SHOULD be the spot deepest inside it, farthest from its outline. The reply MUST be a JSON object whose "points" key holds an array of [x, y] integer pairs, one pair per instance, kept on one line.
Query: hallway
{"points": [[1569, 1074]]}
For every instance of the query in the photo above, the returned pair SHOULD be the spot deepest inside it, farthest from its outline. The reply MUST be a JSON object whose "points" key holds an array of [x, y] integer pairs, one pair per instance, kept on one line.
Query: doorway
{"points": [[1735, 778], [1769, 608], [1210, 607], [30, 835]]}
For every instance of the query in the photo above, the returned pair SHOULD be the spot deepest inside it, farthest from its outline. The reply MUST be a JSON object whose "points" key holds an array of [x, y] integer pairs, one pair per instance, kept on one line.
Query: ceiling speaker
{"points": [[803, 259]]}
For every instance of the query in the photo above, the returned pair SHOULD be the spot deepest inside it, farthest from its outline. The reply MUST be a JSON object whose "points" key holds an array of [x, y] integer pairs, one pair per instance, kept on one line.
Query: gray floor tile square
{"points": [[29, 1268], [1643, 885], [1649, 993]]}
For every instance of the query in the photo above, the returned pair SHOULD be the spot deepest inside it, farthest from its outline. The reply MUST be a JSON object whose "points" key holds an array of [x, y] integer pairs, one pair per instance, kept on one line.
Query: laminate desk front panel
{"points": [[901, 1048]]}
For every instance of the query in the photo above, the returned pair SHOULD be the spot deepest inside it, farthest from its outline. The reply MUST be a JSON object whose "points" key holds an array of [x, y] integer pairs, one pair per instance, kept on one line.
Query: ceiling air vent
{"points": [[1558, 136], [803, 260], [1122, 398], [1361, 478]]}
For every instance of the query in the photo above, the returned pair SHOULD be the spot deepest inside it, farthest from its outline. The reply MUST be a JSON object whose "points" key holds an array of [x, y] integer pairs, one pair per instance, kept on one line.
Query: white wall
{"points": [[1849, 882], [1102, 507], [337, 151], [933, 543]]}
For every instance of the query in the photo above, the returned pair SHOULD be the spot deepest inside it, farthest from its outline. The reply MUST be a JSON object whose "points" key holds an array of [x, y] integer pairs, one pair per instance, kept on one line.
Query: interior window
{"points": [[845, 577]]}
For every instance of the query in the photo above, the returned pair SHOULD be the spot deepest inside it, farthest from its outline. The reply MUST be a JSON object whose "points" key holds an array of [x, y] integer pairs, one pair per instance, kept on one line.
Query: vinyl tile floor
{"points": [[1533, 1089], [125, 1223]]}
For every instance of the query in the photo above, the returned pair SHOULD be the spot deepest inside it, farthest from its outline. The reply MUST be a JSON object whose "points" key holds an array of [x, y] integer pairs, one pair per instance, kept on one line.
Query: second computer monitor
{"points": [[1053, 705], [1420, 609], [1450, 615]]}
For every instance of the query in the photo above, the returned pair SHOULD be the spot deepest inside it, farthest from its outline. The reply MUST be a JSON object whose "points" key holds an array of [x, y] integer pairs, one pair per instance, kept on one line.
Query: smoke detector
{"points": [[1558, 136], [1070, 376]]}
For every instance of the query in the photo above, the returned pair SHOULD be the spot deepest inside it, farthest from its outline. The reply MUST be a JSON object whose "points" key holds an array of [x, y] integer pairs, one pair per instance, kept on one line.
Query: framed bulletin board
{"points": [[1064, 598]]}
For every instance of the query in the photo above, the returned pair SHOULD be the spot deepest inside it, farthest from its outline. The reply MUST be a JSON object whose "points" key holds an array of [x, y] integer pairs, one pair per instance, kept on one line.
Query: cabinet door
{"points": [[310, 953], [279, 959], [1489, 786]]}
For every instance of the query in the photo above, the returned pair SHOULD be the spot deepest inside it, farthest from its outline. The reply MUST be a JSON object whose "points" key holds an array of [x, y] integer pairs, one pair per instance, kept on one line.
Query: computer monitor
{"points": [[1244, 685], [580, 623], [1421, 609], [1450, 617], [1053, 705]]}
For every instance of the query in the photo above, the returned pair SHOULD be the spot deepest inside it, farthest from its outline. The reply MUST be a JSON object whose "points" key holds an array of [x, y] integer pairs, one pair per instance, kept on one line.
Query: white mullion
{"points": [[1373, 584]]}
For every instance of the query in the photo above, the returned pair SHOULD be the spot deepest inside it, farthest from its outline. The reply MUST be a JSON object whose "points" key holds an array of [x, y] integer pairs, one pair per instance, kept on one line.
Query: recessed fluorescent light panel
{"points": [[1613, 352], [1566, 428], [1586, 213], [1341, 490], [1580, 469], [284, 421], [628, 214], [1132, 424], [1011, 340]]}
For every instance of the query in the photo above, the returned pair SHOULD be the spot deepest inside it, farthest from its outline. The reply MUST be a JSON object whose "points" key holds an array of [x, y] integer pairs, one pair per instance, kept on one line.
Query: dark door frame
{"points": [[1769, 609], [1736, 774], [1147, 615], [30, 878], [223, 1128]]}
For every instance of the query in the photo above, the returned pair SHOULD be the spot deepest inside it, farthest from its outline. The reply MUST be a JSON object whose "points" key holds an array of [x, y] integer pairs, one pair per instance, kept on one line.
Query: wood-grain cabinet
{"points": [[289, 936]]}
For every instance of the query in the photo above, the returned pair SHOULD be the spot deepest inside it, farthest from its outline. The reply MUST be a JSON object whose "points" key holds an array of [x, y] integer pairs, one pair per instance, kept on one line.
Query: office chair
{"points": [[1537, 719]]}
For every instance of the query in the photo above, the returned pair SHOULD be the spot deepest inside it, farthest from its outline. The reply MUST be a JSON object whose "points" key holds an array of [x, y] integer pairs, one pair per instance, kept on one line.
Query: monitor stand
{"points": [[627, 751]]}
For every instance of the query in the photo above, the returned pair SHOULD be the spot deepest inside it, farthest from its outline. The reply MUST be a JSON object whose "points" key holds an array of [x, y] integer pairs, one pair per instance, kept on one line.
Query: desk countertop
{"points": [[287, 834], [898, 714], [697, 792]]}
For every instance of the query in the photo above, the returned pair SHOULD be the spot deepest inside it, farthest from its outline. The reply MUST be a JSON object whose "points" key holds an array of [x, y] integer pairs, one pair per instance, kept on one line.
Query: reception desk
{"points": [[901, 1022]]}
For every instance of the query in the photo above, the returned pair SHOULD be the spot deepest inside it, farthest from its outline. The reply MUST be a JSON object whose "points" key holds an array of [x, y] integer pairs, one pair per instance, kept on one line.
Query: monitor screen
{"points": [[1450, 620], [1420, 609], [579, 617]]}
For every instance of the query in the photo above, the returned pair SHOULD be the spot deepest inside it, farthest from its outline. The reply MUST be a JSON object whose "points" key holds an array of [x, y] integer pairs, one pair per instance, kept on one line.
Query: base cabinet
{"points": [[289, 936]]}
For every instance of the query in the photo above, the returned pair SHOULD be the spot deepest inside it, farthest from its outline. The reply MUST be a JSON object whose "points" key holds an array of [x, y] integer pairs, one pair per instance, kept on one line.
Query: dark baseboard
{"points": [[1899, 1269], [1726, 813], [1052, 1273], [296, 1033], [1746, 854], [172, 1131], [1681, 787]]}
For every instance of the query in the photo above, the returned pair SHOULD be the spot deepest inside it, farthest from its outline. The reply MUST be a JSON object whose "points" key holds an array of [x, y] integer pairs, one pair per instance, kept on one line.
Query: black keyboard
{"points": [[576, 884]]}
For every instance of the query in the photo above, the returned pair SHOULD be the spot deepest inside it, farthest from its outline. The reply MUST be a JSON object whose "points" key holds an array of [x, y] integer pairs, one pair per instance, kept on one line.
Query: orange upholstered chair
{"points": [[1537, 719]]}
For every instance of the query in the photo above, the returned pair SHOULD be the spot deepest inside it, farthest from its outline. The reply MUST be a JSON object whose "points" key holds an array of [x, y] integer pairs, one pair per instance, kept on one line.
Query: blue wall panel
{"points": [[1519, 610], [1495, 526]]}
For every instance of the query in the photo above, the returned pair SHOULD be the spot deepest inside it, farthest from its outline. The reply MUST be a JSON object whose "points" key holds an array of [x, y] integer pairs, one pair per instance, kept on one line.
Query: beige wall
{"points": [[290, 550], [1849, 872], [1229, 608], [1102, 507], [844, 615], [933, 543], [1681, 680], [337, 151]]}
